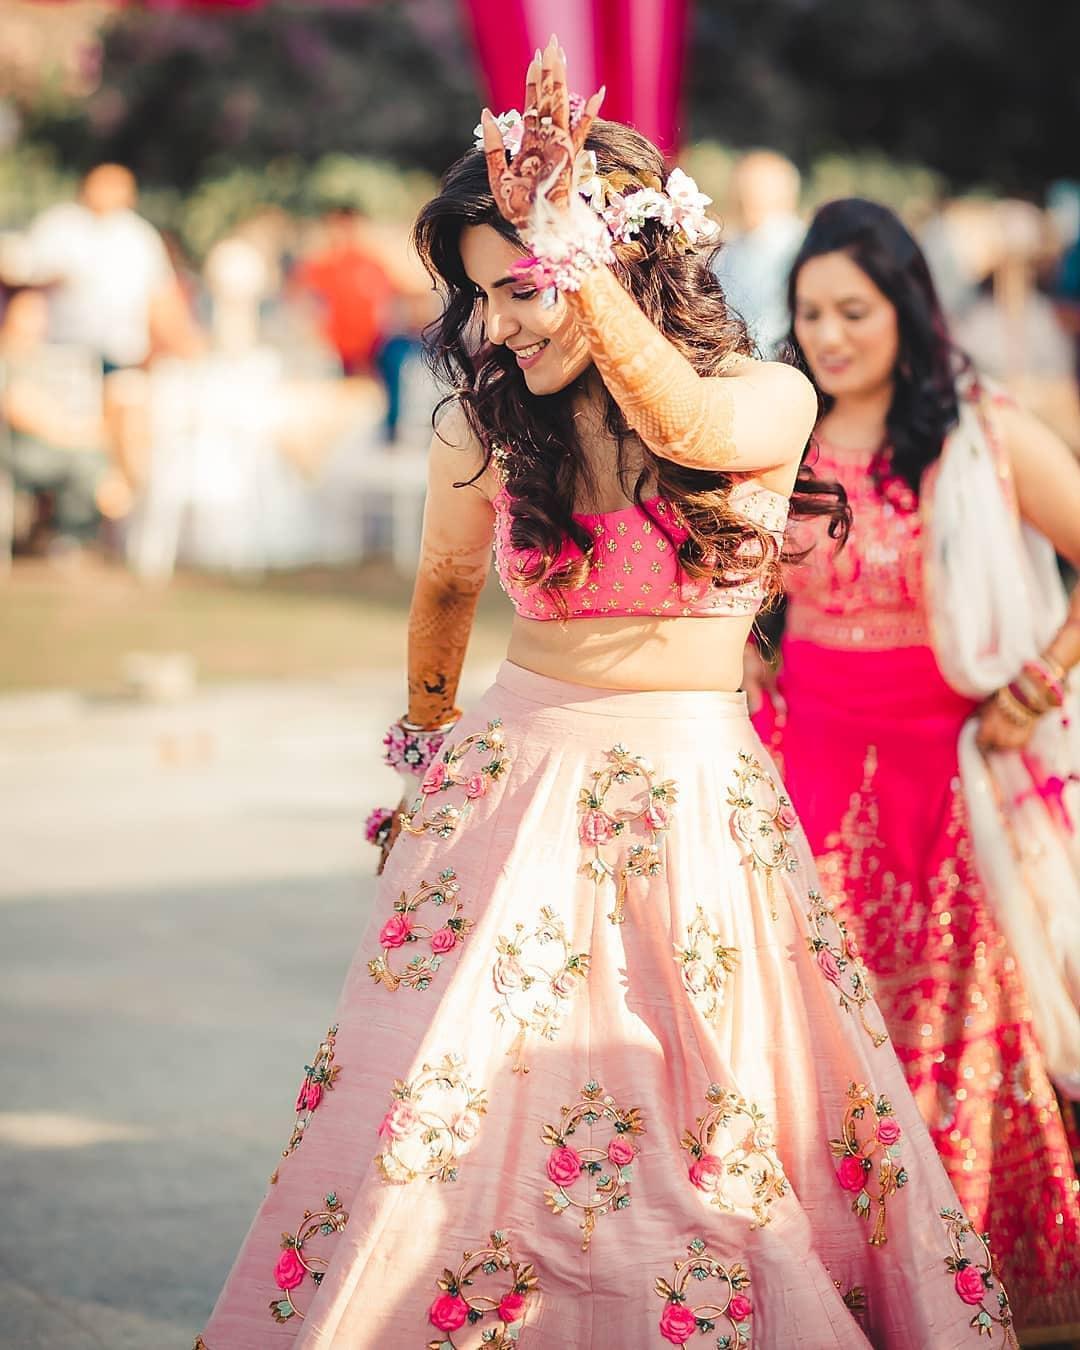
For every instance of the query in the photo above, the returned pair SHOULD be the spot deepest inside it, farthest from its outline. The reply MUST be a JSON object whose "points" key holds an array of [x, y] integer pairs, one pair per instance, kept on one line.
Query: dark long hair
{"points": [[924, 406], [542, 464]]}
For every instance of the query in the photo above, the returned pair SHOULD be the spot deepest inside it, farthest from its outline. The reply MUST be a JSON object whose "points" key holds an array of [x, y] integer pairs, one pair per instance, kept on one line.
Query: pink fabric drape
{"points": [[636, 47]]}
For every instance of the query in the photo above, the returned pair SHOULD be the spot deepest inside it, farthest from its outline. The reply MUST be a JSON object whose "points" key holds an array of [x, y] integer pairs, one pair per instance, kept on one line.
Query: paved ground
{"points": [[181, 889]]}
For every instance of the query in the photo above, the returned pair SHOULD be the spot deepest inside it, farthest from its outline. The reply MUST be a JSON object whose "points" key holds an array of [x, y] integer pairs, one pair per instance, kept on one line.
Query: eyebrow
{"points": [[498, 285]]}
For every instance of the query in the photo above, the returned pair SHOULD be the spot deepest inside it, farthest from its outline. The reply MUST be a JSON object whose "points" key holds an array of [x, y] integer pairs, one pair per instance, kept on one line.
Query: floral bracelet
{"points": [[411, 749]]}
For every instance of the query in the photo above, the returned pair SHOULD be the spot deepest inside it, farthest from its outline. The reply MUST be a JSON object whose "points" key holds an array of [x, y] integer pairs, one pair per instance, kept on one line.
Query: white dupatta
{"points": [[996, 600]]}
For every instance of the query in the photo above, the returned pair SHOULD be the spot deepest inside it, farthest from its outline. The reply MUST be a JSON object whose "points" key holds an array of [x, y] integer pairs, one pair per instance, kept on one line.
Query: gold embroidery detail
{"points": [[762, 818], [421, 970], [733, 1311], [610, 1166], [430, 1124], [838, 960], [447, 774], [869, 1129], [535, 975], [973, 1277], [473, 1307], [290, 1275], [319, 1077], [601, 825], [734, 1159], [705, 963]]}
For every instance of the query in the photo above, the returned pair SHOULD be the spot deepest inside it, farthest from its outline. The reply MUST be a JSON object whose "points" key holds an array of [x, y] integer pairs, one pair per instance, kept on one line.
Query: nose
{"points": [[830, 331], [500, 325]]}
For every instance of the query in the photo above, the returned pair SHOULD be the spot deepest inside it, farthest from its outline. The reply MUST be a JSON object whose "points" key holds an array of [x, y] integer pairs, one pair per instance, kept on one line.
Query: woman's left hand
{"points": [[999, 732], [549, 145]]}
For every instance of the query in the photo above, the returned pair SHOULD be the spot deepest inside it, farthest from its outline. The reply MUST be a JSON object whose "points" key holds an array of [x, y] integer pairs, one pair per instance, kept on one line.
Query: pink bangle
{"points": [[1040, 672], [377, 826]]}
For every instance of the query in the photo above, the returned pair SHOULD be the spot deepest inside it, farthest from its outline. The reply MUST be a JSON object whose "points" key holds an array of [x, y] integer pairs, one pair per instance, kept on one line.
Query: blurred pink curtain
{"points": [[636, 47]]}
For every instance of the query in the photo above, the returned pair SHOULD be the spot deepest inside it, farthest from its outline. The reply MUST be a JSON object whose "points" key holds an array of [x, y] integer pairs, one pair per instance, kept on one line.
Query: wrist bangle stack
{"points": [[1013, 708], [410, 748]]}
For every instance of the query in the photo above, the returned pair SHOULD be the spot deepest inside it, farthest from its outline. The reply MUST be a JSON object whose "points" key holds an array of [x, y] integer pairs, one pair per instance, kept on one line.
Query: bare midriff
{"points": [[631, 653]]}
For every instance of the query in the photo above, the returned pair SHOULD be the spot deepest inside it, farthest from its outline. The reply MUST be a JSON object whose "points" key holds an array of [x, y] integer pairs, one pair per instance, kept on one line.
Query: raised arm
{"points": [[455, 557], [756, 418]]}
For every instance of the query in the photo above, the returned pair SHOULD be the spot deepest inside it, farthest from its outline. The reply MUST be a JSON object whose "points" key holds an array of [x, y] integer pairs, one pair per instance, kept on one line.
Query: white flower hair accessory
{"points": [[679, 205]]}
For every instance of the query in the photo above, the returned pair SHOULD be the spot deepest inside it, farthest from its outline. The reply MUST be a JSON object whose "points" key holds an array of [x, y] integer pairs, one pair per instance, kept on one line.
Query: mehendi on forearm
{"points": [[679, 415], [444, 604]]}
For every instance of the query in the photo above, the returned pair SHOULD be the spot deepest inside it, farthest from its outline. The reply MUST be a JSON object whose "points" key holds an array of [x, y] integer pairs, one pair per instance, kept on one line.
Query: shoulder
{"points": [[456, 449], [782, 387]]}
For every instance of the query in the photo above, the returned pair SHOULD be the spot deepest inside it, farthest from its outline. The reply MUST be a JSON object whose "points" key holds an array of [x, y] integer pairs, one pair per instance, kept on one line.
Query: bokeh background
{"points": [[213, 421]]}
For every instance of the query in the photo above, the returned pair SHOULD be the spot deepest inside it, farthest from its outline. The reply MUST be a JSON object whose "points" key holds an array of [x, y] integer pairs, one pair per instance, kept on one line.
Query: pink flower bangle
{"points": [[412, 749]]}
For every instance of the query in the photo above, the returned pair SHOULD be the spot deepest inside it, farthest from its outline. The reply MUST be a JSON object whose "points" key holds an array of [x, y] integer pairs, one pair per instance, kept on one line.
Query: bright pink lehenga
{"points": [[868, 749], [530, 1123]]}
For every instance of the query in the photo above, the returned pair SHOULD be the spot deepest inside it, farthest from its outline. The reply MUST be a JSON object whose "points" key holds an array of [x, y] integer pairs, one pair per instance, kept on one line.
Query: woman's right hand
{"points": [[759, 681]]}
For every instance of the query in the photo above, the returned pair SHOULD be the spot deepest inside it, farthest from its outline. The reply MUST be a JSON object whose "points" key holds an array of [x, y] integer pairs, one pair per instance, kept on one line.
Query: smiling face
{"points": [[550, 349], [847, 328]]}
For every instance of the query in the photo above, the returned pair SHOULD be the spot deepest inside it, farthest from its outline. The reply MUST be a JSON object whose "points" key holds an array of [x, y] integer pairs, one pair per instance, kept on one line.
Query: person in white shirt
{"points": [[105, 267], [753, 268]]}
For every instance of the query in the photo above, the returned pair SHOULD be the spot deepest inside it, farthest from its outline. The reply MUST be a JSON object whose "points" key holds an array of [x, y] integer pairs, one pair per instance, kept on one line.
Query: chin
{"points": [[542, 382]]}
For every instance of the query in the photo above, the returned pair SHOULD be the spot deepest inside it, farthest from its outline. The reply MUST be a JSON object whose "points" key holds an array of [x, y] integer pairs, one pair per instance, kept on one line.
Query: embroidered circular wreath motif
{"points": [[298, 1262], [838, 960], [460, 1304], [431, 1123], [623, 799], [535, 975], [705, 964], [971, 1267], [870, 1131], [404, 931], [731, 1315], [732, 1159], [460, 777], [762, 818], [605, 1171]]}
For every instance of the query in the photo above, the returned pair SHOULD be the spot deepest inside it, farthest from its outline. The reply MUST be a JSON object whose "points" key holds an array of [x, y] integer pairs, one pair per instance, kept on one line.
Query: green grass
{"points": [[73, 631]]}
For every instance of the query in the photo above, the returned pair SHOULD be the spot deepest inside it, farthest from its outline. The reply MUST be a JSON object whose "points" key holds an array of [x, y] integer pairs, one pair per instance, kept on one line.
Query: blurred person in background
{"points": [[53, 441], [111, 286], [753, 267], [350, 285], [921, 716], [456, 1152]]}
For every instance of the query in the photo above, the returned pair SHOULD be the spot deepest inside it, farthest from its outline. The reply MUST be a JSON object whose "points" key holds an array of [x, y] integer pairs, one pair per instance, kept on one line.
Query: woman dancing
{"points": [[934, 828], [603, 1073]]}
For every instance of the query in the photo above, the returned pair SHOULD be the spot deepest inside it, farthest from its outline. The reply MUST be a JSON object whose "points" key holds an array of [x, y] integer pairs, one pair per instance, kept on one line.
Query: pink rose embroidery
{"points": [[707, 1171], [695, 976], [563, 1166], [448, 1312], [888, 1130], [400, 1120], [596, 827], [563, 984], [828, 966], [289, 1271], [656, 817], [678, 1323], [507, 974], [786, 817], [309, 1097], [739, 1308], [466, 1125], [395, 931], [512, 1307], [443, 940], [620, 1152], [850, 1173], [969, 1285], [475, 786], [434, 778]]}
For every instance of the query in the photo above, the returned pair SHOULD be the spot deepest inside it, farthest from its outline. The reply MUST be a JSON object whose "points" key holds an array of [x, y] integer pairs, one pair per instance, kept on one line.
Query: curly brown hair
{"points": [[543, 467]]}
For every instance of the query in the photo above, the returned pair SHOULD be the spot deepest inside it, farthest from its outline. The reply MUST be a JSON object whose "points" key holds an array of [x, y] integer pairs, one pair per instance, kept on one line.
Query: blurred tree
{"points": [[187, 93], [983, 91]]}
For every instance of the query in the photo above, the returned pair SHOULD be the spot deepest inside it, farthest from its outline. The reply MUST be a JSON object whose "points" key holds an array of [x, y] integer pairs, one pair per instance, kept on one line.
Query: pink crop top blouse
{"points": [[634, 570]]}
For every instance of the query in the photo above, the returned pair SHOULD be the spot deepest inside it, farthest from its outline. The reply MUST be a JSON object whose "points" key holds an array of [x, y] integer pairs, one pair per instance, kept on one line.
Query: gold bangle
{"points": [[1013, 710], [1056, 668], [1037, 697]]}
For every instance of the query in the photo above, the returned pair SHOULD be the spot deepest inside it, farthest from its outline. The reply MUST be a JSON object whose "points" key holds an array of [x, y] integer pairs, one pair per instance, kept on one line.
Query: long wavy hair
{"points": [[535, 437], [924, 406]]}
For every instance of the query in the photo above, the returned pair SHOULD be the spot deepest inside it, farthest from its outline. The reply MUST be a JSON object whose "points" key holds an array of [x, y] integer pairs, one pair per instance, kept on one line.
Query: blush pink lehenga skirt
{"points": [[606, 1072]]}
